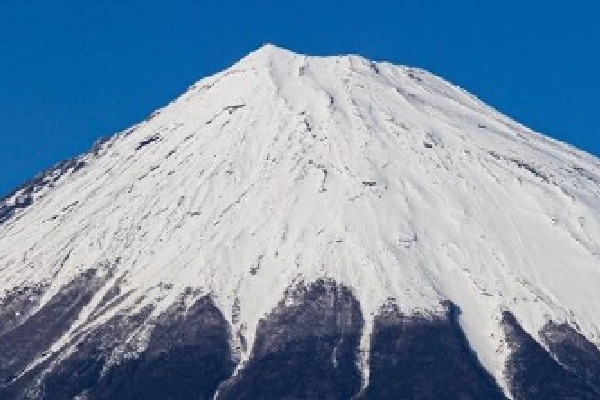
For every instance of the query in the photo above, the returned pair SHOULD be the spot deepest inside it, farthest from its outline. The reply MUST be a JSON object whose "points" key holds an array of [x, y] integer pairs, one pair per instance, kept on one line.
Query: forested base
{"points": [[418, 357], [307, 350], [534, 374], [574, 352], [187, 357]]}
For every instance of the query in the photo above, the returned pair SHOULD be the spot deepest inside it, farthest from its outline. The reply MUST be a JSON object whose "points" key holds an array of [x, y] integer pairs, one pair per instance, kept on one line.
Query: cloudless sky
{"points": [[72, 71]]}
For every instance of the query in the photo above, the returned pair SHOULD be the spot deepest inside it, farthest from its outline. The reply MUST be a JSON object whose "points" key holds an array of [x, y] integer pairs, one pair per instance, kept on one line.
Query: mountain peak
{"points": [[271, 49], [331, 190], [268, 53]]}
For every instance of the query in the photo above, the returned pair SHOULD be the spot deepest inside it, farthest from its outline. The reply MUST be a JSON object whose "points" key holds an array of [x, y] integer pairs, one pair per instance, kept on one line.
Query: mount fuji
{"points": [[300, 227]]}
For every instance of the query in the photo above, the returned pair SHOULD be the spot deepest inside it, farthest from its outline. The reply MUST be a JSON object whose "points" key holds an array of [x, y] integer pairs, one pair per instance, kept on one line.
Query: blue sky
{"points": [[73, 71]]}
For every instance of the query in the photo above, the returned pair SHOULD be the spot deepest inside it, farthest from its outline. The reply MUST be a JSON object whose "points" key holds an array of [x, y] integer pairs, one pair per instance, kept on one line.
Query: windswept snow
{"points": [[288, 168]]}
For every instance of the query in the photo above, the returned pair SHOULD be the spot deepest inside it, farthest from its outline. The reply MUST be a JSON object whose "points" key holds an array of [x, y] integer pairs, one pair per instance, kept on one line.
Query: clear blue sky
{"points": [[72, 71]]}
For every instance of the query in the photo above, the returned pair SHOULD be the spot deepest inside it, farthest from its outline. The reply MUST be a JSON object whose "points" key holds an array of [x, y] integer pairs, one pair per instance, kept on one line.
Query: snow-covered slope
{"points": [[286, 169]]}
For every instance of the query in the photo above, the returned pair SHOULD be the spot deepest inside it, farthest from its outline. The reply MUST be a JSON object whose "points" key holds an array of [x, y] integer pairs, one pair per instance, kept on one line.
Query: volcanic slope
{"points": [[334, 218]]}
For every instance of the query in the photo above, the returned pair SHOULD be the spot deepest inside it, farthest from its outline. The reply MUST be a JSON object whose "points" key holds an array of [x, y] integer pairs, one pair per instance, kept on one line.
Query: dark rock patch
{"points": [[29, 339], [187, 357], [532, 372], [147, 141], [17, 304], [23, 196], [414, 75], [81, 372], [523, 165], [374, 67], [233, 108], [306, 350], [419, 357], [574, 352]]}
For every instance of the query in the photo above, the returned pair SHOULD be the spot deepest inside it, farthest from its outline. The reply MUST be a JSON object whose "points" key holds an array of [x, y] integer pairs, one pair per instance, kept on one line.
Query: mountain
{"points": [[301, 227]]}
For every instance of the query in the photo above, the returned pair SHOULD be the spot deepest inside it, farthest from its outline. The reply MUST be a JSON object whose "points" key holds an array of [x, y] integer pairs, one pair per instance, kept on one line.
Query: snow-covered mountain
{"points": [[303, 227]]}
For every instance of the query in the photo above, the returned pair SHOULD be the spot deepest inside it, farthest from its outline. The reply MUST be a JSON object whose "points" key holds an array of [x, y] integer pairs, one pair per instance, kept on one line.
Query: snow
{"points": [[287, 167]]}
